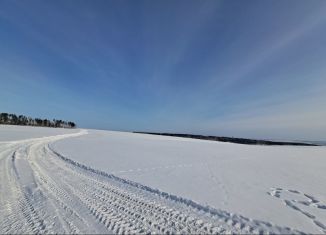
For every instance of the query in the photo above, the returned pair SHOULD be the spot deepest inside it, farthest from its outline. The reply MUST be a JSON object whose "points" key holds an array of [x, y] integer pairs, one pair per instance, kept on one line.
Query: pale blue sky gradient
{"points": [[234, 68]]}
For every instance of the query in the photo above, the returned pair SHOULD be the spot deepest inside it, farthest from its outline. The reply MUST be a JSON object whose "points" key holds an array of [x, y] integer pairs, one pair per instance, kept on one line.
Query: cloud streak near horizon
{"points": [[250, 69]]}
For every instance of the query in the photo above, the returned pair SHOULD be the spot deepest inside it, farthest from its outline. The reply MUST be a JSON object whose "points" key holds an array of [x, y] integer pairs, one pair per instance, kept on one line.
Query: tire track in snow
{"points": [[138, 208], [58, 195]]}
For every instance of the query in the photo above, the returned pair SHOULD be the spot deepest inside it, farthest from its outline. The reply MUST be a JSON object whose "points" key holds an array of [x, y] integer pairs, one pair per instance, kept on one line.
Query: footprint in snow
{"points": [[300, 201]]}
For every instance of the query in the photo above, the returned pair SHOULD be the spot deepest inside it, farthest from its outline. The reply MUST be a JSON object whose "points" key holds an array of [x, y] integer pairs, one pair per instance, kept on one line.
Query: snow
{"points": [[11, 132], [89, 181], [233, 177]]}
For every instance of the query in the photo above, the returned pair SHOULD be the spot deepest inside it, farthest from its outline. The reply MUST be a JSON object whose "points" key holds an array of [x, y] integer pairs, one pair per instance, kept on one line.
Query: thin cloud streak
{"points": [[182, 66]]}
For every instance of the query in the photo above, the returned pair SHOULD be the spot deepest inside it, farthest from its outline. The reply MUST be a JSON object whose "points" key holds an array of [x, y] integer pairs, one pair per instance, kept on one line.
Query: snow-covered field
{"points": [[88, 181], [10, 133]]}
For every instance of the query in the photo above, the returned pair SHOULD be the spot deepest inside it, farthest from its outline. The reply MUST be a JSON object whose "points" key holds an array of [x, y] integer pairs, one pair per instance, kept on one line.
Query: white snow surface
{"points": [[254, 181], [11, 132], [89, 181]]}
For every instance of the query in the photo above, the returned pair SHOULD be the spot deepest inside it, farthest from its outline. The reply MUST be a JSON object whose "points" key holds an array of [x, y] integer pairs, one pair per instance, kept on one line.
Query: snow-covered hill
{"points": [[87, 181]]}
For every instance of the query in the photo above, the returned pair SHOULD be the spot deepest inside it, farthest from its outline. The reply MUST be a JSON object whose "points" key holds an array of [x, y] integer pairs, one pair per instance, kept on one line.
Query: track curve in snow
{"points": [[42, 191]]}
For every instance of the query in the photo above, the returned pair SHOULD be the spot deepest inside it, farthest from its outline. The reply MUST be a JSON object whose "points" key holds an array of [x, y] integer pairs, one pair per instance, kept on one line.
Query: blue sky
{"points": [[235, 68]]}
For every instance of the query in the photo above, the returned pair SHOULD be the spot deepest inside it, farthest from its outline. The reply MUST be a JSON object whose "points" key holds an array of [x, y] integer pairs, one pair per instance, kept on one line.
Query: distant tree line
{"points": [[231, 139], [13, 119]]}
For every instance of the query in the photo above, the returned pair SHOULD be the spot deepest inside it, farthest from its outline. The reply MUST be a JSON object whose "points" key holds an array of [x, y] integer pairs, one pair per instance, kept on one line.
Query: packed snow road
{"points": [[42, 191]]}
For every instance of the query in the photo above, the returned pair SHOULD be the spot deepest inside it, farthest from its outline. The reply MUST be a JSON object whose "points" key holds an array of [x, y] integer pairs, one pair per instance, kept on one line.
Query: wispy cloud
{"points": [[240, 68]]}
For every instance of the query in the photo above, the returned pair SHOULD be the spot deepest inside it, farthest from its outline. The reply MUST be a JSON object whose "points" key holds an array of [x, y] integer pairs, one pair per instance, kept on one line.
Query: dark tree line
{"points": [[231, 139], [13, 119]]}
